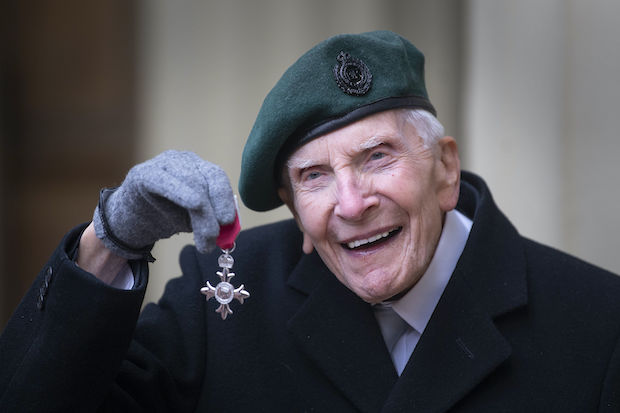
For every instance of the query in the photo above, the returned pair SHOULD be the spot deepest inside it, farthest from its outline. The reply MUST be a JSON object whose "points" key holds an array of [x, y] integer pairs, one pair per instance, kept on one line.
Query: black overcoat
{"points": [[520, 328]]}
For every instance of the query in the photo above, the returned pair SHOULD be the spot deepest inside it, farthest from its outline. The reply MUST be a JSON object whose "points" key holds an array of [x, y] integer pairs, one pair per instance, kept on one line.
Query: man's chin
{"points": [[373, 297], [381, 289]]}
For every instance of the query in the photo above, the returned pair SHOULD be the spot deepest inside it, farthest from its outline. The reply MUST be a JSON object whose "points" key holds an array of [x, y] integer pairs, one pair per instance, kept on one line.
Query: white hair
{"points": [[427, 125]]}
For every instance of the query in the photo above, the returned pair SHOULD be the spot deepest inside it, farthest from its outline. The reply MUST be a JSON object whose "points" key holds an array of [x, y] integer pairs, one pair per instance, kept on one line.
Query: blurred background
{"points": [[529, 88]]}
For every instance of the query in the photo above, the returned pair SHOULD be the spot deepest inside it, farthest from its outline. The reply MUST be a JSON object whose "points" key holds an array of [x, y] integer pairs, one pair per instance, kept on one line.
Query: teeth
{"points": [[357, 243]]}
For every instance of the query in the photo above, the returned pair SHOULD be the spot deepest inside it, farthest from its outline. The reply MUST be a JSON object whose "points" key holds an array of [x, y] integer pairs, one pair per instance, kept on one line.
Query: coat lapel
{"points": [[458, 349], [338, 331]]}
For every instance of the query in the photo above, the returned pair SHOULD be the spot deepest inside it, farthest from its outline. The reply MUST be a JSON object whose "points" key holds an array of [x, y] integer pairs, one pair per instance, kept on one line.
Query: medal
{"points": [[224, 292]]}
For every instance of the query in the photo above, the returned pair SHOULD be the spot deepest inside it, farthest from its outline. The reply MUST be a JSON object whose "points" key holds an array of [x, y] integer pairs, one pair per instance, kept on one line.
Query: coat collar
{"points": [[338, 331], [493, 261], [461, 344]]}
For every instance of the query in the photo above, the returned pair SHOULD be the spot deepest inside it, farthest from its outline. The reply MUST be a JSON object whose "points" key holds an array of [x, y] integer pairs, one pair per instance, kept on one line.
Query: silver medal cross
{"points": [[224, 292]]}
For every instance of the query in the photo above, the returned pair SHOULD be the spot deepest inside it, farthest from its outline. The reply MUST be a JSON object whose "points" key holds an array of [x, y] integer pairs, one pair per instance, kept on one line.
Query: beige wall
{"points": [[541, 104]]}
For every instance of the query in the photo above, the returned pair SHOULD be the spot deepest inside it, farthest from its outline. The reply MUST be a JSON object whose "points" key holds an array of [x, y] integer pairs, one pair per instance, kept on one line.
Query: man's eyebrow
{"points": [[371, 143], [299, 163]]}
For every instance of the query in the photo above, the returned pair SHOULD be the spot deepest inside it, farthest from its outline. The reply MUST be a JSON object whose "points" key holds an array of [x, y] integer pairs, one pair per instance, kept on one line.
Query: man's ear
{"points": [[448, 173], [307, 246], [286, 197]]}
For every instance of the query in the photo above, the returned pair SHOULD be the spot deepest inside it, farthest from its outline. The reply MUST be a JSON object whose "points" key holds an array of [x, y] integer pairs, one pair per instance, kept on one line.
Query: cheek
{"points": [[313, 215], [411, 188], [401, 189], [400, 175]]}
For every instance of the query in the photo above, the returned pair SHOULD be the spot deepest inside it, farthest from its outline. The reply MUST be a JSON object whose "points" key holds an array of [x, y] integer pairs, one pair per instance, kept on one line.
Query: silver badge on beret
{"points": [[352, 75]]}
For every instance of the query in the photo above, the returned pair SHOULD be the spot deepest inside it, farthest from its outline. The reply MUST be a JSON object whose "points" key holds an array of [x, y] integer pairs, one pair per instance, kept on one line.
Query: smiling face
{"points": [[370, 198]]}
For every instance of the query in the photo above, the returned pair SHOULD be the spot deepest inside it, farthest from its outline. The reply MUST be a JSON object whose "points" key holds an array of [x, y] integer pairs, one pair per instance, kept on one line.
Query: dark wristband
{"points": [[145, 252]]}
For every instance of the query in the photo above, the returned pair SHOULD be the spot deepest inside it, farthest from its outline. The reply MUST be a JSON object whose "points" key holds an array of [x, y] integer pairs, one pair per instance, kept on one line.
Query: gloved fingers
{"points": [[221, 197], [205, 228], [172, 175], [170, 187], [189, 181], [218, 207], [176, 183]]}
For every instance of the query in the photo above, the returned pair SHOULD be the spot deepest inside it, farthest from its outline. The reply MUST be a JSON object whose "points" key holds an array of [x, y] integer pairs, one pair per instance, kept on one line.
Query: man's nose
{"points": [[354, 198]]}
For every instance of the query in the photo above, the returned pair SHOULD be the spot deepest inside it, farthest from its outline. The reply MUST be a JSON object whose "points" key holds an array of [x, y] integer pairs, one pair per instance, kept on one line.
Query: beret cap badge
{"points": [[352, 75]]}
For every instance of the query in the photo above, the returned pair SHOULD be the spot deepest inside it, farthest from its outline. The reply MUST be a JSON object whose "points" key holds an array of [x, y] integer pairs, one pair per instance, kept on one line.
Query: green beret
{"points": [[339, 81]]}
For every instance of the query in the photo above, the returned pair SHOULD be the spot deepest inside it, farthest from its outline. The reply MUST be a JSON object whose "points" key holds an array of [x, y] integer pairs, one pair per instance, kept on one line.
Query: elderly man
{"points": [[398, 286]]}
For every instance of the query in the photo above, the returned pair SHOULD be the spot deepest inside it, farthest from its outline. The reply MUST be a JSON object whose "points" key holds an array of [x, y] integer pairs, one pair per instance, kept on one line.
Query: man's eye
{"points": [[377, 155], [313, 175]]}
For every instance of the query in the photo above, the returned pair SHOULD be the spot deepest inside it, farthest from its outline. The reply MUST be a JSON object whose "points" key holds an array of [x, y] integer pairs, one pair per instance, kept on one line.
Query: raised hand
{"points": [[171, 193]]}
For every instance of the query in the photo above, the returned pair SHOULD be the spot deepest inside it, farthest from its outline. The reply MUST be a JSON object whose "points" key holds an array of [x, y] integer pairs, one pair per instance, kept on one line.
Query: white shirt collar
{"points": [[417, 306]]}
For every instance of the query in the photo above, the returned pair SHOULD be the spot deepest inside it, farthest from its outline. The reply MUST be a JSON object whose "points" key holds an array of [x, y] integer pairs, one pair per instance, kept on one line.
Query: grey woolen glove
{"points": [[171, 193]]}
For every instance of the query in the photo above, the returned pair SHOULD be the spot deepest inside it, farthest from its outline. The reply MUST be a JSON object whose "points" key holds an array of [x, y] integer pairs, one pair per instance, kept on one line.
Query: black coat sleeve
{"points": [[66, 340], [164, 368]]}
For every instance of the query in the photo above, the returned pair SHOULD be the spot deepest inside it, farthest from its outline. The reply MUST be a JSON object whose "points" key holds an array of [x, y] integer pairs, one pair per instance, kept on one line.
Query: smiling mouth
{"points": [[372, 241]]}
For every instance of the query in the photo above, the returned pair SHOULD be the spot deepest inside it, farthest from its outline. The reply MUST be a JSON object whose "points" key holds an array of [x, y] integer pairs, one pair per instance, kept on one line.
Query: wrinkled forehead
{"points": [[310, 153]]}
